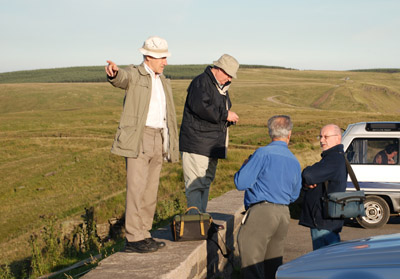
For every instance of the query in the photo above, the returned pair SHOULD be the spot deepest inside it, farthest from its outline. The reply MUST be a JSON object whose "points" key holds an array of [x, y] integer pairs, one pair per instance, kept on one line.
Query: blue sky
{"points": [[301, 34]]}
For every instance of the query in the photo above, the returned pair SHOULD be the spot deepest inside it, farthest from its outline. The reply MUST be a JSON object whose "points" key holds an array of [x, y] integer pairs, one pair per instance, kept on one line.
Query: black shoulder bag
{"points": [[344, 204]]}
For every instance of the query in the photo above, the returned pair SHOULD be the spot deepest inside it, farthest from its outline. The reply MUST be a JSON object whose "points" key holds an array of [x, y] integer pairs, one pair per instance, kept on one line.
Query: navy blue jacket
{"points": [[331, 168], [204, 123]]}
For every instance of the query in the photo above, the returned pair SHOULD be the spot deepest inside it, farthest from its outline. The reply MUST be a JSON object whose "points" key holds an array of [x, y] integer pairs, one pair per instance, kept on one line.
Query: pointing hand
{"points": [[111, 69]]}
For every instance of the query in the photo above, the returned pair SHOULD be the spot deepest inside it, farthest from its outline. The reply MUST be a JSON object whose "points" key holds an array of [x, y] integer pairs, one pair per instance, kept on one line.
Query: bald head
{"points": [[330, 136]]}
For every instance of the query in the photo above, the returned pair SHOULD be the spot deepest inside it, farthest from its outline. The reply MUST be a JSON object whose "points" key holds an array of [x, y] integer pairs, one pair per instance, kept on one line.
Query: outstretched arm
{"points": [[111, 69]]}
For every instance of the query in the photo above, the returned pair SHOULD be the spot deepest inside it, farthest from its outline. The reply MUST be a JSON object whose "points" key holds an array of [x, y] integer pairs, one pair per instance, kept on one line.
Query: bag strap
{"points": [[182, 228], [352, 175], [202, 225], [226, 255], [192, 207]]}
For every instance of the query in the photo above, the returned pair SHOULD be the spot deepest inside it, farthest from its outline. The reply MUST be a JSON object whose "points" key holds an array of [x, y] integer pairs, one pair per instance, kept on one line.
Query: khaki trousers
{"points": [[142, 180], [198, 173], [261, 239]]}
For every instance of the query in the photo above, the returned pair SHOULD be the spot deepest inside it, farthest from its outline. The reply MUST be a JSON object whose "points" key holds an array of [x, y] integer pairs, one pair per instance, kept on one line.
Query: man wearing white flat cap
{"points": [[147, 133], [203, 136]]}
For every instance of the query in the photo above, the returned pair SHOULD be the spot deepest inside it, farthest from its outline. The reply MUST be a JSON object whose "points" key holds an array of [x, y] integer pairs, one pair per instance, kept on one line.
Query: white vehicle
{"points": [[372, 149]]}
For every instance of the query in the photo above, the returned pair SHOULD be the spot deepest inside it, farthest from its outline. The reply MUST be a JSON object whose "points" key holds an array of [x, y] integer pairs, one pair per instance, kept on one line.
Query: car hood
{"points": [[377, 252]]}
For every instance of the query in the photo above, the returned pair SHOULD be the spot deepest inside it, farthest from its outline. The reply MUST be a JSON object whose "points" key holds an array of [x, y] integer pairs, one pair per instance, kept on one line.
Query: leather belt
{"points": [[253, 204], [260, 202]]}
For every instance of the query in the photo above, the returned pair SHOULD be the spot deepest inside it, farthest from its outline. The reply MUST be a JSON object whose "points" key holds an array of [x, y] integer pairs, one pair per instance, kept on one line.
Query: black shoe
{"points": [[217, 227], [152, 241], [141, 246]]}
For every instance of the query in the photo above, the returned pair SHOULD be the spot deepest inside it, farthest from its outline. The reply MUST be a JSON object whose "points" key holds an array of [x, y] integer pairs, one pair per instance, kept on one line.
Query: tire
{"points": [[377, 213]]}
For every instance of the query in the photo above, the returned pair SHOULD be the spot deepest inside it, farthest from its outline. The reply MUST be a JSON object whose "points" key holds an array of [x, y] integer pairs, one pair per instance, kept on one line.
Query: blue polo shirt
{"points": [[272, 174]]}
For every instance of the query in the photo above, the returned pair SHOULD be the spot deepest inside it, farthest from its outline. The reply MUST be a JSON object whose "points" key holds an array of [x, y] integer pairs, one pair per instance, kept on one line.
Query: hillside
{"points": [[56, 138], [97, 74]]}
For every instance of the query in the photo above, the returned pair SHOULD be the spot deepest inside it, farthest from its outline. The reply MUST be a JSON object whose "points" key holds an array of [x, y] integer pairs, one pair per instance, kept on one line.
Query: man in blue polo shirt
{"points": [[271, 178]]}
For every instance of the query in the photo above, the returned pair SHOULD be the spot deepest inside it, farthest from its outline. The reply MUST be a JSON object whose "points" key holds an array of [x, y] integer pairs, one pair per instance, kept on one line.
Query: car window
{"points": [[382, 151]]}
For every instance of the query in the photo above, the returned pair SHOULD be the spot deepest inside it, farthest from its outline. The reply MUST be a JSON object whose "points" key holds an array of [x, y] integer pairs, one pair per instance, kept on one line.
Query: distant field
{"points": [[56, 138], [97, 74]]}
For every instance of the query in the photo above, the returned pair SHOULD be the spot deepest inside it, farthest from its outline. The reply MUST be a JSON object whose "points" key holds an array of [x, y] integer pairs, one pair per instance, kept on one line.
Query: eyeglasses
{"points": [[320, 136], [222, 70]]}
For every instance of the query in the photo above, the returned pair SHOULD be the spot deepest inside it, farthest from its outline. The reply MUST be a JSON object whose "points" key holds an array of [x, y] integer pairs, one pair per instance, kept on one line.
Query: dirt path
{"points": [[273, 100]]}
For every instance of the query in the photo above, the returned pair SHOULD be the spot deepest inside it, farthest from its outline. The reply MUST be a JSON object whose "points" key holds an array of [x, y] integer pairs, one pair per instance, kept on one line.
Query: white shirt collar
{"points": [[150, 71]]}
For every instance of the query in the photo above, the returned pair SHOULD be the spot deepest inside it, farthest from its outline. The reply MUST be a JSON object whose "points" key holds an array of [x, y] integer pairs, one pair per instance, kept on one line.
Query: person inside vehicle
{"points": [[386, 156]]}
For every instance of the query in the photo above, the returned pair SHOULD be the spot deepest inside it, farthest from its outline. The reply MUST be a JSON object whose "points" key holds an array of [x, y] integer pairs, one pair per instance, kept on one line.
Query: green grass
{"points": [[56, 137]]}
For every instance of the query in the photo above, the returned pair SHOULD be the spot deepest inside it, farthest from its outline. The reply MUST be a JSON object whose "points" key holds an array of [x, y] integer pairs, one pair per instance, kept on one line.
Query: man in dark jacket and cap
{"points": [[203, 136], [331, 168]]}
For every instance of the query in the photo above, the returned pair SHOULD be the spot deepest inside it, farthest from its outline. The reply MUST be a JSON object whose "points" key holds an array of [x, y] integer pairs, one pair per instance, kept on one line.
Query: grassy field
{"points": [[96, 74], [56, 137]]}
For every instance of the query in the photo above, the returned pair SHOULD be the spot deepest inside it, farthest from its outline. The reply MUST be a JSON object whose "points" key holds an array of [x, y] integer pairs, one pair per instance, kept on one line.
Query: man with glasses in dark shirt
{"points": [[331, 168]]}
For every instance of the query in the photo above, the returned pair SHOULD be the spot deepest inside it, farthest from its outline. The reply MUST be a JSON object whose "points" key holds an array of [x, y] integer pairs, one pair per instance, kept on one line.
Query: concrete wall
{"points": [[194, 259]]}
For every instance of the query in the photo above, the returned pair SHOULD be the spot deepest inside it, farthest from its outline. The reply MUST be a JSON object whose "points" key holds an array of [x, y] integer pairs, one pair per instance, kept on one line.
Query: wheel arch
{"points": [[387, 199]]}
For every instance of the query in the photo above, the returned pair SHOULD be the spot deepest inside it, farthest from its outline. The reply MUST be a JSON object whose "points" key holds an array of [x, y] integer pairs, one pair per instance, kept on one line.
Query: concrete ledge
{"points": [[194, 259]]}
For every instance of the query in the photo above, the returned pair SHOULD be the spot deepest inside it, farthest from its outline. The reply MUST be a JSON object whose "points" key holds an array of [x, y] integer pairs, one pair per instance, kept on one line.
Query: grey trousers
{"points": [[198, 173], [142, 180], [261, 239]]}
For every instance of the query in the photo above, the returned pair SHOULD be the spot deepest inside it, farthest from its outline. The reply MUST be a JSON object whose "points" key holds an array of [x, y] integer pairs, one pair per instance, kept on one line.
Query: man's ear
{"points": [[289, 135]]}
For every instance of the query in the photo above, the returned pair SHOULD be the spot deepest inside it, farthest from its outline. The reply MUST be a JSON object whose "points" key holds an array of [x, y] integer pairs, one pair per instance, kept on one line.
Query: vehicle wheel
{"points": [[377, 213]]}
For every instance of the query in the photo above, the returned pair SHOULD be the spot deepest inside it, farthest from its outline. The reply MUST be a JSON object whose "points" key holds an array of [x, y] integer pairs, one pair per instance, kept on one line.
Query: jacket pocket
{"points": [[212, 131], [125, 137]]}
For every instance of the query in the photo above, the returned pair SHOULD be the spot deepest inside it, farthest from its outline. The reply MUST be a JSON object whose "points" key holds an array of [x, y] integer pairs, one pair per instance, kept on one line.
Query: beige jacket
{"points": [[136, 82]]}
